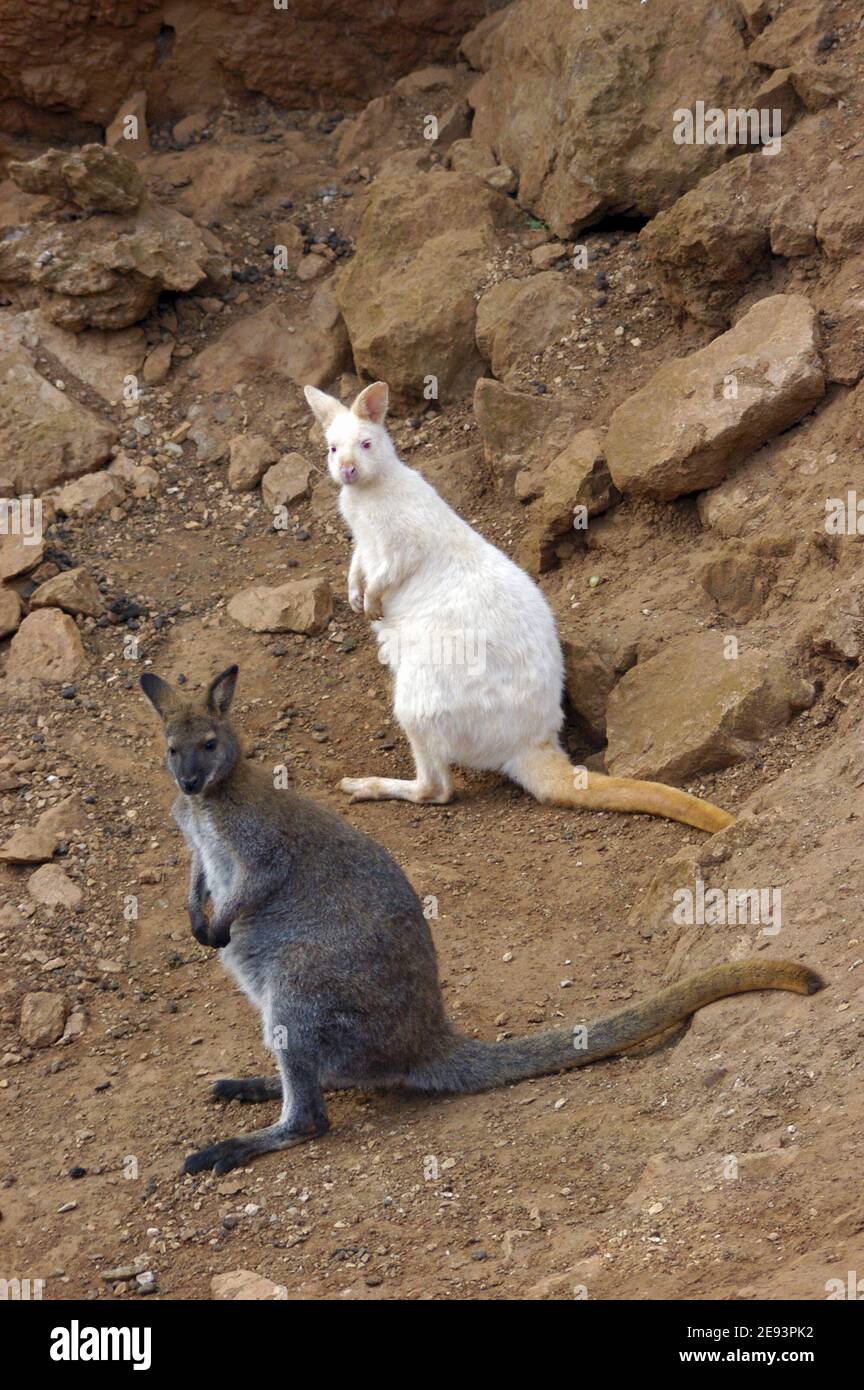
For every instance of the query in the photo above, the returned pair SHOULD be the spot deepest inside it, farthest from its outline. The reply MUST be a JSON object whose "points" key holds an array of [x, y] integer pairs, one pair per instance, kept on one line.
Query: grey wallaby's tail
{"points": [[471, 1065]]}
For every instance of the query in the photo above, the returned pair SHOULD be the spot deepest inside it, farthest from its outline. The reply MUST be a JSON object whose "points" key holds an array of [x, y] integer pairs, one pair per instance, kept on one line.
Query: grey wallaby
{"points": [[325, 935]]}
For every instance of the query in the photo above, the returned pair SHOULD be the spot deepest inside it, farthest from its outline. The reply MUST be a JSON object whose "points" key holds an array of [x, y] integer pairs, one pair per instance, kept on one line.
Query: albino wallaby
{"points": [[328, 939], [469, 637]]}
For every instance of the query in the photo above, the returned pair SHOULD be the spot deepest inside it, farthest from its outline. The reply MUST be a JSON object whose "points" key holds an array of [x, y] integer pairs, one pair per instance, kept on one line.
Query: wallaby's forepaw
{"points": [[355, 600], [221, 1157], [373, 607]]}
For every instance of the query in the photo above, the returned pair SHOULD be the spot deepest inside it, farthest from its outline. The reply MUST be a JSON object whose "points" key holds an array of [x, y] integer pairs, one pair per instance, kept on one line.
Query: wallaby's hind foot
{"points": [[394, 789], [236, 1153], [251, 1089], [547, 773]]}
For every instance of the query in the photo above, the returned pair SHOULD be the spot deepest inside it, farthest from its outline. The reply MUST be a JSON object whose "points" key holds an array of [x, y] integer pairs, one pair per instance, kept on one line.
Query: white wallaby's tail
{"points": [[547, 773]]}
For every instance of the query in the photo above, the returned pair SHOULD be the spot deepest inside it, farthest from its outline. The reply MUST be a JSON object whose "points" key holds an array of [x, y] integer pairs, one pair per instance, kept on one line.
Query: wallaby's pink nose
{"points": [[348, 472]]}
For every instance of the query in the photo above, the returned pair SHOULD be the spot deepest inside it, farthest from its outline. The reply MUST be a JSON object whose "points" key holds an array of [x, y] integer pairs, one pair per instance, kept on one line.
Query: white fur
{"points": [[425, 577]]}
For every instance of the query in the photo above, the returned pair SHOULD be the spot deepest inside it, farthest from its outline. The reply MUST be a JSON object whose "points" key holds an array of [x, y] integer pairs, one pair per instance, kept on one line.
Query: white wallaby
{"points": [[469, 637]]}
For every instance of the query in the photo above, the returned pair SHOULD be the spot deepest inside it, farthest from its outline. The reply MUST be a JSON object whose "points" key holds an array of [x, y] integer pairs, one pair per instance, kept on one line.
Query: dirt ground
{"points": [[722, 1163]]}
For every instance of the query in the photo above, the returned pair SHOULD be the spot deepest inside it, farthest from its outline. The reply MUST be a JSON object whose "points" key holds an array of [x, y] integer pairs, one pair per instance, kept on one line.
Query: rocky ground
{"points": [[648, 393]]}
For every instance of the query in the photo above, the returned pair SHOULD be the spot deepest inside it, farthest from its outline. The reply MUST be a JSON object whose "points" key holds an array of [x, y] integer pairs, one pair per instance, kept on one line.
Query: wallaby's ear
{"points": [[163, 699], [324, 407], [220, 692], [372, 403]]}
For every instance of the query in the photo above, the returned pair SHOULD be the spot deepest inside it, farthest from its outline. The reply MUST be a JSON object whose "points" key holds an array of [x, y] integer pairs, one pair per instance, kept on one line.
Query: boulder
{"points": [[101, 359], [582, 107], [286, 482], [46, 436], [695, 707], [75, 591], [47, 647], [94, 179], [706, 247], [91, 494], [108, 269], [50, 886], [408, 294], [576, 478], [300, 605], [250, 455], [840, 227], [699, 416], [520, 430], [43, 1018], [311, 351], [518, 318]]}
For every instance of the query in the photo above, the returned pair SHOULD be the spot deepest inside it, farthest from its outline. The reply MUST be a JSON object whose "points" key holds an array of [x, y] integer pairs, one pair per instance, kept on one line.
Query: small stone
{"points": [[42, 1019], [245, 1284], [29, 846], [250, 456], [286, 482], [75, 591], [51, 887], [300, 605]]}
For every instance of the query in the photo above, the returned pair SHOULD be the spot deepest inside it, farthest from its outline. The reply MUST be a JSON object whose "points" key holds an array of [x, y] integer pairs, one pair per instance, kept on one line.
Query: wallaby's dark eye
{"points": [[209, 745], [171, 750]]}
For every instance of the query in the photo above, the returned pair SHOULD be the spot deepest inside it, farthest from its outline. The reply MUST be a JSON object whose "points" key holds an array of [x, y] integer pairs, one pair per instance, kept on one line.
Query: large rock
{"points": [[579, 102], [43, 1018], [46, 436], [699, 416], [108, 269], [47, 647], [710, 243], [94, 179], [517, 318], [311, 351], [408, 295], [693, 709], [102, 359], [576, 478], [300, 605], [589, 675], [519, 430], [75, 591]]}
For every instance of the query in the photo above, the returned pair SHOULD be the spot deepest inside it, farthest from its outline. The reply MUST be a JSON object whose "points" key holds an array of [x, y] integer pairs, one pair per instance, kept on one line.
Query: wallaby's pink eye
{"points": [[332, 448], [367, 443]]}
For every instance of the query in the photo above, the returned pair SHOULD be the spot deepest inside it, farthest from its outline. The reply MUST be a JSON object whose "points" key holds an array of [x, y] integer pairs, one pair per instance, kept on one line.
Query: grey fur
{"points": [[327, 938]]}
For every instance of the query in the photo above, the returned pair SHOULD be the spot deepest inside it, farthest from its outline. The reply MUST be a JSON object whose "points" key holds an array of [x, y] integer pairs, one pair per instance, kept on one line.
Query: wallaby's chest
{"points": [[218, 861]]}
